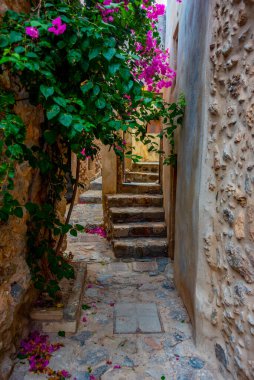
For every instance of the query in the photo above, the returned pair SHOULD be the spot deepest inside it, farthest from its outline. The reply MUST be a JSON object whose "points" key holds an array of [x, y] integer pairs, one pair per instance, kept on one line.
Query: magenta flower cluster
{"points": [[83, 153], [153, 67], [108, 13], [97, 231], [154, 11], [57, 28], [32, 32], [38, 350]]}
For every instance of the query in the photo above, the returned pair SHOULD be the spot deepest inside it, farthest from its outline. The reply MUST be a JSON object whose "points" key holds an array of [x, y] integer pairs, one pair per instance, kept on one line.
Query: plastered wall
{"points": [[214, 262]]}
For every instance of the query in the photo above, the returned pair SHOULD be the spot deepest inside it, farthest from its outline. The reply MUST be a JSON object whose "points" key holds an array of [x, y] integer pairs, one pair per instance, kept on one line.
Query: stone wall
{"points": [[214, 262], [16, 292], [228, 239]]}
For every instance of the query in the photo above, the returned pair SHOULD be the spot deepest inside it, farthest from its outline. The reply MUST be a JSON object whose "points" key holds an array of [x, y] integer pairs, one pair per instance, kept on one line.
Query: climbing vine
{"points": [[85, 67]]}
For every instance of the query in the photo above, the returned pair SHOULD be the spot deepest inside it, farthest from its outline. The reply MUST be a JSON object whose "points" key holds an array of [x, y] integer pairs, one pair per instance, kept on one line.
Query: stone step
{"points": [[91, 196], [122, 200], [96, 184], [141, 177], [140, 247], [151, 167], [136, 214], [140, 188], [145, 229]]}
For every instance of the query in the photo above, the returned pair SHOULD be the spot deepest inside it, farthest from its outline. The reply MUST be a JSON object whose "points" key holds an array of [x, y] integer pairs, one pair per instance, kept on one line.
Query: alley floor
{"points": [[134, 325]]}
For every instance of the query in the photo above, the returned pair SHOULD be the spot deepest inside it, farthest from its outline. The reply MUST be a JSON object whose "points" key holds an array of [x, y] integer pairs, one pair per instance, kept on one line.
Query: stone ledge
{"points": [[67, 318]]}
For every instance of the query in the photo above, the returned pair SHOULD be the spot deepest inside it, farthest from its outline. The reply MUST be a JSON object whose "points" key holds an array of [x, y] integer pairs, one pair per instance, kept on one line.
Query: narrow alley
{"points": [[134, 326]]}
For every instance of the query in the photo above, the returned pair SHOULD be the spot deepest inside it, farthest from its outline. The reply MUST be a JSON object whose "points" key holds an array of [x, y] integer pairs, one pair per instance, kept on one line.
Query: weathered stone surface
{"points": [[196, 363], [82, 337], [134, 200], [120, 374], [142, 266], [220, 355], [94, 356], [239, 263], [140, 248], [239, 226], [136, 318], [136, 214], [141, 177], [143, 229]]}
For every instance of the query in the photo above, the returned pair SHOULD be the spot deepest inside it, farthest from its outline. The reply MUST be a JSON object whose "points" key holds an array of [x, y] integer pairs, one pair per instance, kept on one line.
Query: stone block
{"points": [[120, 374], [131, 318], [141, 266]]}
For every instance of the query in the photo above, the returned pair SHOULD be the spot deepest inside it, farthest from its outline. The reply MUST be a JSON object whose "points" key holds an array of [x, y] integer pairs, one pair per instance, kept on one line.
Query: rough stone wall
{"points": [[16, 293], [228, 238], [214, 262]]}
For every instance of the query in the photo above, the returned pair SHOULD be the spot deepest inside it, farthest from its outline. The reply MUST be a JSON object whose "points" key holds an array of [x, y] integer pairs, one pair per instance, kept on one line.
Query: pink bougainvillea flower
{"points": [[65, 374], [84, 319], [57, 22], [57, 27], [90, 286], [112, 304], [38, 350], [32, 32], [117, 366], [92, 377], [83, 153], [97, 231]]}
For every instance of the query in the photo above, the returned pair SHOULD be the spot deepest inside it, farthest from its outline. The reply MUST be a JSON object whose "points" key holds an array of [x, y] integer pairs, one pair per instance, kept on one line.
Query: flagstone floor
{"points": [[134, 325]]}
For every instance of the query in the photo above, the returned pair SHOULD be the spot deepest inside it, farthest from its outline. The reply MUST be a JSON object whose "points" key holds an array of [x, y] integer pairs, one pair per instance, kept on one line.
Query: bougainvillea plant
{"points": [[85, 66]]}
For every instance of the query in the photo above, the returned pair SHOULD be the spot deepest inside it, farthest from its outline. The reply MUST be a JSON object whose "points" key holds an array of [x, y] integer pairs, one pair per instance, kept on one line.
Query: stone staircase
{"points": [[136, 215]]}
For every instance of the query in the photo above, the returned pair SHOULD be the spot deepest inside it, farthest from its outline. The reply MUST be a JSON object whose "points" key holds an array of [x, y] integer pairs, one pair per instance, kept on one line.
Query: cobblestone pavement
{"points": [[127, 301]]}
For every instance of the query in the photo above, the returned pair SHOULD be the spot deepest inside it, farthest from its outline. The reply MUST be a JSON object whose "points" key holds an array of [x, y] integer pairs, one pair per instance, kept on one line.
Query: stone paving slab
{"points": [[143, 266], [131, 318]]}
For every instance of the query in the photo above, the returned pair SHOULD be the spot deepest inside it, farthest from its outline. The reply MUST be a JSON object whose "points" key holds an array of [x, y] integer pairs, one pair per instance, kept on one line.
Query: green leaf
{"points": [[109, 53], [73, 232], [19, 49], [85, 307], [18, 211], [65, 119], [79, 127], [4, 41], [100, 103], [60, 101], [96, 90], [15, 37], [125, 74], [113, 68], [85, 44], [74, 56], [61, 44], [61, 333], [93, 53], [53, 111], [46, 91], [31, 54], [79, 227], [50, 136], [86, 87]]}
